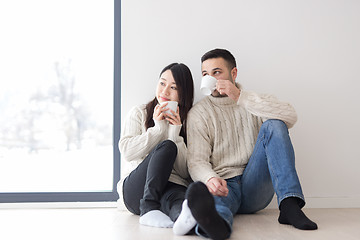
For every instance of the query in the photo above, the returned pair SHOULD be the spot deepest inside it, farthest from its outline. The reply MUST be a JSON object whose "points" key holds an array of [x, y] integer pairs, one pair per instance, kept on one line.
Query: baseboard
{"points": [[326, 202]]}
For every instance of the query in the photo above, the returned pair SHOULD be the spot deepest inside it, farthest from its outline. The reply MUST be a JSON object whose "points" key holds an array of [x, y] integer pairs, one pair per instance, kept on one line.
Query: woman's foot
{"points": [[156, 218]]}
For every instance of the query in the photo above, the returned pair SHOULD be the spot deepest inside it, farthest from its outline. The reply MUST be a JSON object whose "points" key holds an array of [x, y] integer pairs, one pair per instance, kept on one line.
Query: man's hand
{"points": [[226, 87], [217, 187]]}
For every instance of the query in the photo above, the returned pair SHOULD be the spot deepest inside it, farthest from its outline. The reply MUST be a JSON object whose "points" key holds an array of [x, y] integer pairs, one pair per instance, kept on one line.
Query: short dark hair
{"points": [[220, 53]]}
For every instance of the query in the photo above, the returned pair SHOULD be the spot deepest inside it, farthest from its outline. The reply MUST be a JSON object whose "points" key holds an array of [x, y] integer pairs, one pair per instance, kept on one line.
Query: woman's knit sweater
{"points": [[222, 133], [137, 142]]}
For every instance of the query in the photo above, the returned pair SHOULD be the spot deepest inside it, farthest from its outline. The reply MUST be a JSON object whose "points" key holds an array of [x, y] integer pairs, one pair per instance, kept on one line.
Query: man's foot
{"points": [[202, 206], [291, 214], [185, 221], [156, 218]]}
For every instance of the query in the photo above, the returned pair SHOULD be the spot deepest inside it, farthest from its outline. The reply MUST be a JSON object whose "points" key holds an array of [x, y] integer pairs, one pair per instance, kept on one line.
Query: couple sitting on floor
{"points": [[195, 167]]}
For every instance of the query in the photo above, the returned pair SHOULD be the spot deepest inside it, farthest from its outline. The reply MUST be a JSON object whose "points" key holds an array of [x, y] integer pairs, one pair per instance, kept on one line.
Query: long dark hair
{"points": [[185, 87]]}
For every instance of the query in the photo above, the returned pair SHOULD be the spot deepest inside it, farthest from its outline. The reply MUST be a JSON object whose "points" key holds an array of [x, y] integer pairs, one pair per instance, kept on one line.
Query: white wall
{"points": [[304, 52]]}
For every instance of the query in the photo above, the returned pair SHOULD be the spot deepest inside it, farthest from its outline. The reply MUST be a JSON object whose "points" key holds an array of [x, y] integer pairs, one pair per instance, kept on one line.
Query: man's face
{"points": [[218, 68]]}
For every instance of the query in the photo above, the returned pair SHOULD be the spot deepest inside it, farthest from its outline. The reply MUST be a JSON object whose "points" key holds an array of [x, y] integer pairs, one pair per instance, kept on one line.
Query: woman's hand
{"points": [[159, 112], [173, 118]]}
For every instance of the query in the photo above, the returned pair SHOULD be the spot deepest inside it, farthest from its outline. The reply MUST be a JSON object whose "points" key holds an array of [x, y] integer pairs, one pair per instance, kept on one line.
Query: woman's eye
{"points": [[174, 88], [162, 84]]}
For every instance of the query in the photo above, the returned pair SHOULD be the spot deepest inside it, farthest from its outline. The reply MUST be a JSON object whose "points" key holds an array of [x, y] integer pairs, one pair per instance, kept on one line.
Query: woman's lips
{"points": [[164, 99]]}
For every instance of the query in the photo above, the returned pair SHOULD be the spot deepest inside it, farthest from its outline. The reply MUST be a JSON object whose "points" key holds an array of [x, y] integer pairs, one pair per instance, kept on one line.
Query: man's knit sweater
{"points": [[222, 133]]}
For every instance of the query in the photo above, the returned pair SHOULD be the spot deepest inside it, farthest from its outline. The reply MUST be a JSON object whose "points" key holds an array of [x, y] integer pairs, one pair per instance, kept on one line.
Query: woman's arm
{"points": [[135, 143]]}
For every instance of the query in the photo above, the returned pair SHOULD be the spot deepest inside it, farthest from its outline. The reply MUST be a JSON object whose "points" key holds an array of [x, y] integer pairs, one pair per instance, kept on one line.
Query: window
{"points": [[59, 100]]}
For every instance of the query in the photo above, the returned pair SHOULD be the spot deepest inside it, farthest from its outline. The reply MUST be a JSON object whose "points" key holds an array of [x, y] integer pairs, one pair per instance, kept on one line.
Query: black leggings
{"points": [[147, 187]]}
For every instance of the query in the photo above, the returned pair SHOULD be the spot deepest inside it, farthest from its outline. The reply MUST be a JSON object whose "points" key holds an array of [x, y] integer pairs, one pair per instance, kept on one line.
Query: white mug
{"points": [[208, 85], [172, 105]]}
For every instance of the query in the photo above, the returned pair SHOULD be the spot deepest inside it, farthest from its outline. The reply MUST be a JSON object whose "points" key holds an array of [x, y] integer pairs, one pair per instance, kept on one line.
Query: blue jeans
{"points": [[270, 167]]}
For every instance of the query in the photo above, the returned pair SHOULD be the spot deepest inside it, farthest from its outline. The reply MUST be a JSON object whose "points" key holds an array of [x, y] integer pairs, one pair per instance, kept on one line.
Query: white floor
{"points": [[111, 224]]}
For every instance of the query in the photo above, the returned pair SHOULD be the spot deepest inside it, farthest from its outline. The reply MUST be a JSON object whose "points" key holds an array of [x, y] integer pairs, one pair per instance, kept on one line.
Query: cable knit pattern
{"points": [[268, 107], [222, 133], [136, 143]]}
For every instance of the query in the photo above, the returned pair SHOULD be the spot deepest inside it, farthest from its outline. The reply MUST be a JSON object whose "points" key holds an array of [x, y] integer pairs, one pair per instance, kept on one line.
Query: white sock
{"points": [[156, 218], [185, 221]]}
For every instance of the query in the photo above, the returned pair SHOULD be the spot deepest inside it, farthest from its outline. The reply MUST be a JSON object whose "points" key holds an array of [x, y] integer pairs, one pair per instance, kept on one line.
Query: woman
{"points": [[155, 141]]}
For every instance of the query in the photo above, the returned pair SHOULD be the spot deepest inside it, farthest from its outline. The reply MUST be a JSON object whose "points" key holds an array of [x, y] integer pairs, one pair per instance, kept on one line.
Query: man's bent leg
{"points": [[271, 166], [256, 186], [281, 160], [274, 150]]}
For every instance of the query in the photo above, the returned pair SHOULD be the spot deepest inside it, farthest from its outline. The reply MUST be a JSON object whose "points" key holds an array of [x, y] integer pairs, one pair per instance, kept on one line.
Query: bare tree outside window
{"points": [[63, 107], [56, 96]]}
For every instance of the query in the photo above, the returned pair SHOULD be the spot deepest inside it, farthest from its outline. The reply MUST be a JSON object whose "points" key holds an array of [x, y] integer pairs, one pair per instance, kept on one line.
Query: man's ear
{"points": [[234, 73]]}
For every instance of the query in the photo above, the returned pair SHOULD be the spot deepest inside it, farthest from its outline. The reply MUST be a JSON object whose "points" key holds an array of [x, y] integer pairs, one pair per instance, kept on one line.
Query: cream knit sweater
{"points": [[222, 133], [136, 143]]}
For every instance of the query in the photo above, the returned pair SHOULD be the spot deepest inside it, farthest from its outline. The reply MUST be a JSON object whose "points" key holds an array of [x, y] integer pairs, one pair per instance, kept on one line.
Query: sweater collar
{"points": [[222, 101]]}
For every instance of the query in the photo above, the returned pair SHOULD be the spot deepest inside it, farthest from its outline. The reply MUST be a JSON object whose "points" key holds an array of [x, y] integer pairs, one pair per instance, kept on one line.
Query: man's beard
{"points": [[217, 94]]}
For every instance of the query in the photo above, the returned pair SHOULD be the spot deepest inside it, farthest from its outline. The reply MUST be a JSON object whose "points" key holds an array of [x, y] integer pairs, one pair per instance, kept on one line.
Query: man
{"points": [[239, 153]]}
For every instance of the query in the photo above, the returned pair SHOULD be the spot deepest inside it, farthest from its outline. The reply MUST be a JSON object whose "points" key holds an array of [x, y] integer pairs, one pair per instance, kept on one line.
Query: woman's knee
{"points": [[164, 154], [169, 146]]}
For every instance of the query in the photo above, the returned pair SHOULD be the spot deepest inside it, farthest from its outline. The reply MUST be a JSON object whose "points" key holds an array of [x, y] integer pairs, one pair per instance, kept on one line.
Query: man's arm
{"points": [[199, 147], [268, 107], [262, 105], [199, 152]]}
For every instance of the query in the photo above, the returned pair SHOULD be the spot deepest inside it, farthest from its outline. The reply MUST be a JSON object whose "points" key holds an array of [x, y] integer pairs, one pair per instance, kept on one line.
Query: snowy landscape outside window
{"points": [[57, 96]]}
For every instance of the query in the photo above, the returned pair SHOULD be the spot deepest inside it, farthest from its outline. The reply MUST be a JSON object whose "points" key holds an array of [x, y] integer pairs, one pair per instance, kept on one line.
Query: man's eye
{"points": [[217, 72]]}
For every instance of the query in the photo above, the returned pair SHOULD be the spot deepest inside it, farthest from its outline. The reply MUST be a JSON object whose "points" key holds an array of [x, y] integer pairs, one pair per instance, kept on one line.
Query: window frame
{"points": [[106, 196]]}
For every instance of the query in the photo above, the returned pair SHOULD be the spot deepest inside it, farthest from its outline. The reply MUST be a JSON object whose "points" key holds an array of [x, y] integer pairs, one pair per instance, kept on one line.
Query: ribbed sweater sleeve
{"points": [[267, 107], [199, 146], [136, 144]]}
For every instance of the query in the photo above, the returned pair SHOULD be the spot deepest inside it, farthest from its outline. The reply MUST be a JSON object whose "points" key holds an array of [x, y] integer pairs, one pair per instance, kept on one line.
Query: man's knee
{"points": [[274, 125]]}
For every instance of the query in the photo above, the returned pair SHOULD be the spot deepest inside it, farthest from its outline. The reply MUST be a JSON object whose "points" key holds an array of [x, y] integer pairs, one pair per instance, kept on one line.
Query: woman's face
{"points": [[166, 89]]}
